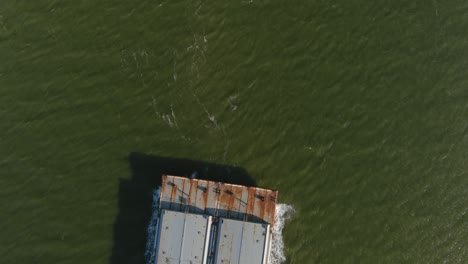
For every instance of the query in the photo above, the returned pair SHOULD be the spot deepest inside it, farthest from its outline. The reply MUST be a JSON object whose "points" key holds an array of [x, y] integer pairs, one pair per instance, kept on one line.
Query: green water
{"points": [[356, 111]]}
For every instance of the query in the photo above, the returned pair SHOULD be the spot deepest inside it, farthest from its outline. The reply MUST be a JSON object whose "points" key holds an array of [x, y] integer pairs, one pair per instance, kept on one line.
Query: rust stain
{"points": [[189, 198], [173, 194], [231, 200], [205, 195], [272, 206], [163, 185], [184, 194], [237, 199], [260, 203], [222, 201], [251, 202]]}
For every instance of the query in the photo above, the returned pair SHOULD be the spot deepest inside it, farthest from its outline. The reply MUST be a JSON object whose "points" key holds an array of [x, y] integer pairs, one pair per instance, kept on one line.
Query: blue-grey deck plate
{"points": [[241, 242], [182, 237]]}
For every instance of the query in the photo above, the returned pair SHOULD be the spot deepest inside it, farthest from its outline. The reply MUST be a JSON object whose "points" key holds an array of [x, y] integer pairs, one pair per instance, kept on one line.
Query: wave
{"points": [[282, 214]]}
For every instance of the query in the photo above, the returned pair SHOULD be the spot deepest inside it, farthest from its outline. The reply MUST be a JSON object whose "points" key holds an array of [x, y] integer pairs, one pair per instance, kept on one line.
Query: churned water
{"points": [[356, 111], [283, 213]]}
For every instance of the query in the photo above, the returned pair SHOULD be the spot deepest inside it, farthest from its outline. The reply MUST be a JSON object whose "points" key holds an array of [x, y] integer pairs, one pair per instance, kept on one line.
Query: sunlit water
{"points": [[356, 111]]}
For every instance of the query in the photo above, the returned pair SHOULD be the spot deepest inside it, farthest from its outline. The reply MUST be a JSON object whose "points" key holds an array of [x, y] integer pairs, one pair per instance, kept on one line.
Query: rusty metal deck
{"points": [[218, 199], [207, 222]]}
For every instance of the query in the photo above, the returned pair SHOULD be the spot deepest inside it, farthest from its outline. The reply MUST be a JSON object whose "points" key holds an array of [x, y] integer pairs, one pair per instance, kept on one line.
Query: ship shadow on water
{"points": [[136, 196]]}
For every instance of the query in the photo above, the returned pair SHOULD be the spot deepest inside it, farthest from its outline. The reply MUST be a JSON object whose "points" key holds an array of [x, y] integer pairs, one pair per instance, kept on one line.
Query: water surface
{"points": [[355, 111]]}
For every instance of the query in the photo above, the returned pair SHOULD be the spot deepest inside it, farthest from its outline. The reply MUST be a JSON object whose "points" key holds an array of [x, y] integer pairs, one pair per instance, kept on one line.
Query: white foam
{"points": [[283, 213]]}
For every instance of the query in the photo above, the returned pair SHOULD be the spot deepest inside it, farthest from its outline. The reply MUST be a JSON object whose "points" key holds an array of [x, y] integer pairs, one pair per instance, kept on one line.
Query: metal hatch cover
{"points": [[183, 238], [241, 242]]}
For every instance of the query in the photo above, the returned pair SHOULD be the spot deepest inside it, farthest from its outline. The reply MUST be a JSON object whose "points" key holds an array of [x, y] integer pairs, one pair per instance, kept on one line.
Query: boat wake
{"points": [[282, 214]]}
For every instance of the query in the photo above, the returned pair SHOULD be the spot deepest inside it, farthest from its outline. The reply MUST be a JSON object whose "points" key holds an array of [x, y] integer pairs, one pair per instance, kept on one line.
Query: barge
{"points": [[206, 222]]}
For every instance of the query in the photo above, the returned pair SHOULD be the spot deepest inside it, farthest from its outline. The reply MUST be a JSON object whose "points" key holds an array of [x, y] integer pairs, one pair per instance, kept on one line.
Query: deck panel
{"points": [[218, 199]]}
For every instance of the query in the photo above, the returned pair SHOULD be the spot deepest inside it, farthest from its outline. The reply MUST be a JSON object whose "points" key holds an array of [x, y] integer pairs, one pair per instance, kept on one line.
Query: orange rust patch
{"points": [[219, 199]]}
